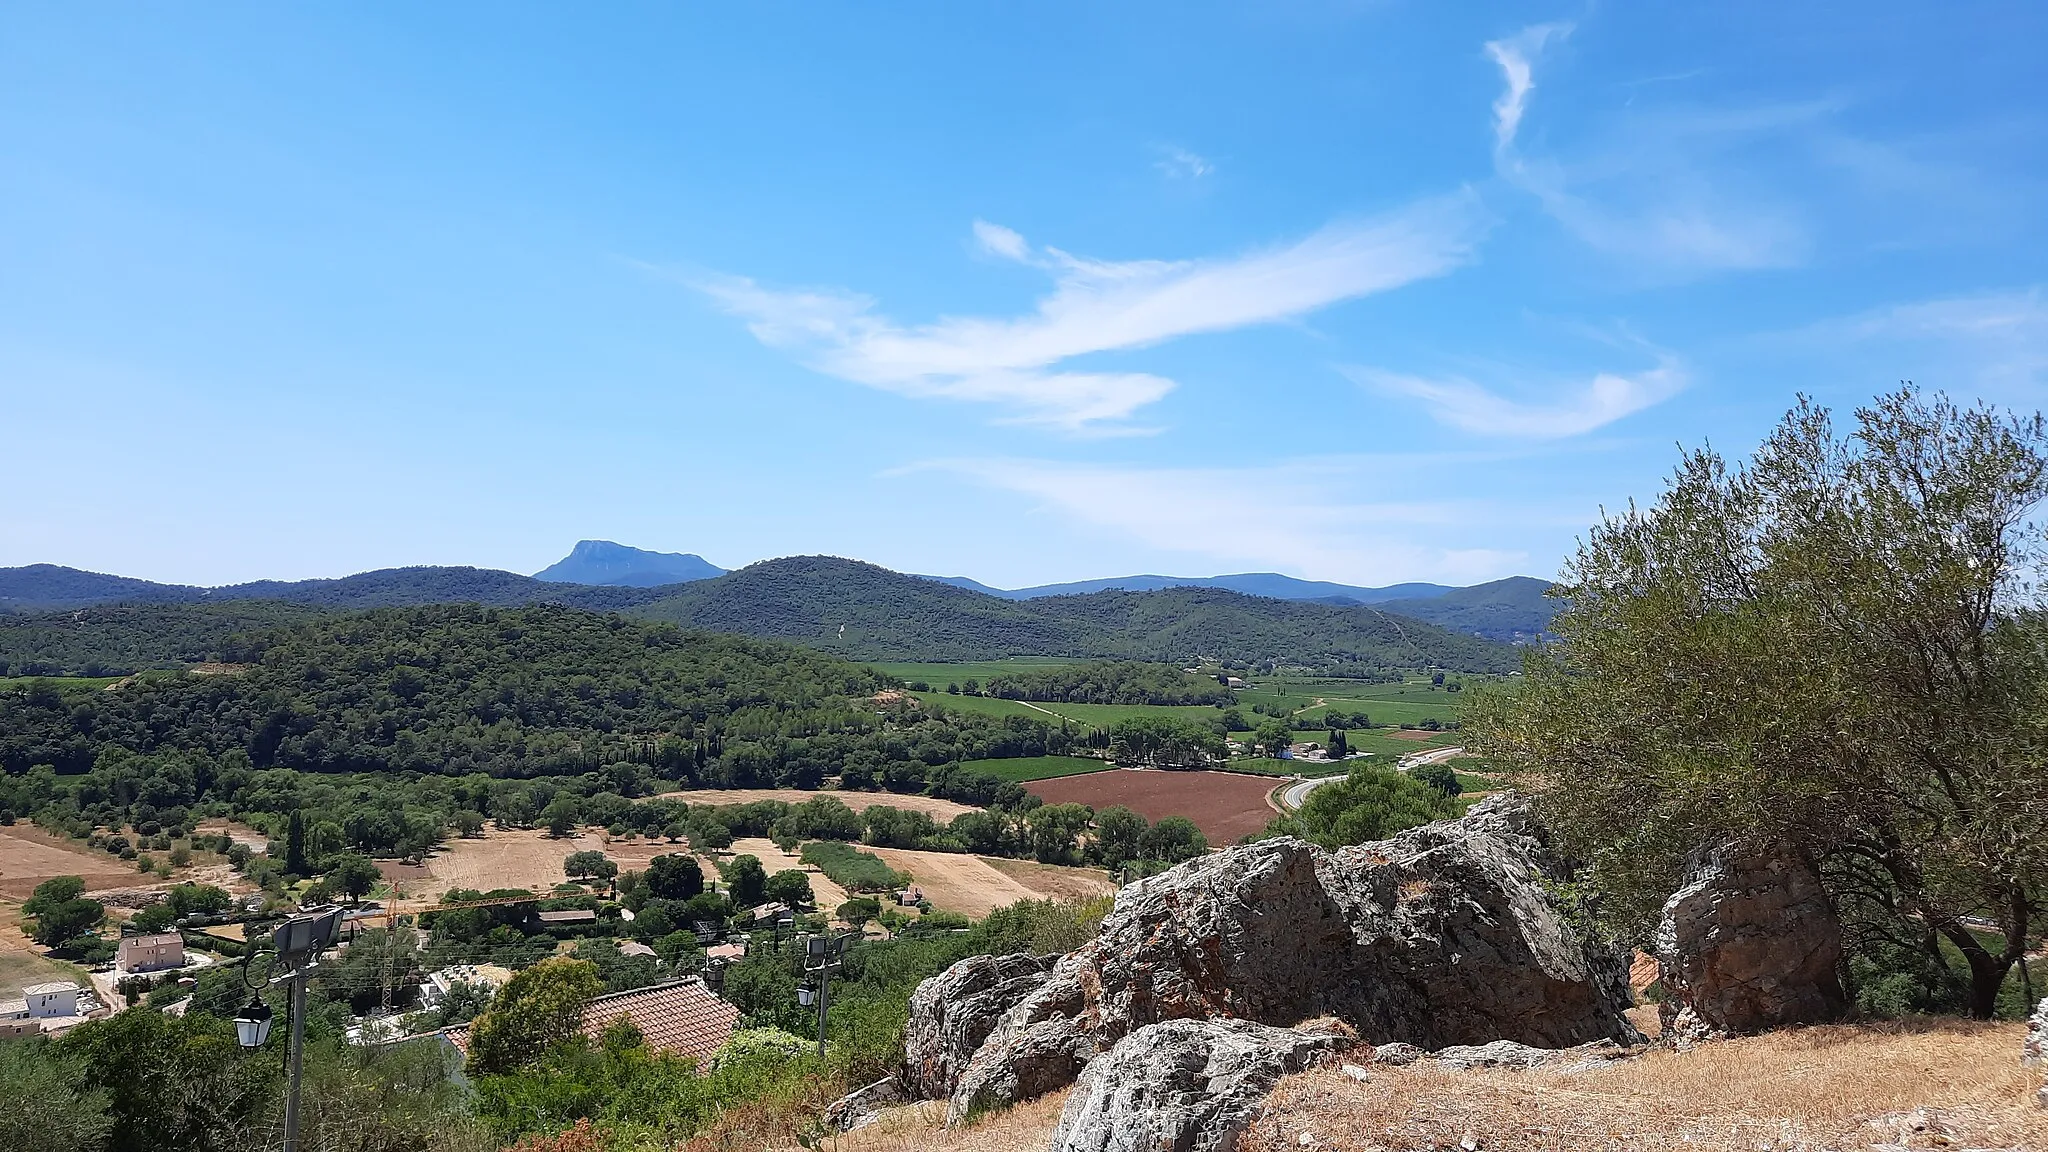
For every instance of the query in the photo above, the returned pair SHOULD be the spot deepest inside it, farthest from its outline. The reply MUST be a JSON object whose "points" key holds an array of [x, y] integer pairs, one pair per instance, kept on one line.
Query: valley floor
{"points": [[1837, 1087]]}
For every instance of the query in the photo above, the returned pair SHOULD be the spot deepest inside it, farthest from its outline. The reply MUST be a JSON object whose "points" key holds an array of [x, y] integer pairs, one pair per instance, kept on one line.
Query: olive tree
{"points": [[1836, 647]]}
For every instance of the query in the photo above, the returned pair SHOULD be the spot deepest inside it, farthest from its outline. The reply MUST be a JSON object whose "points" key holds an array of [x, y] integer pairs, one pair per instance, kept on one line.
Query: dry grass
{"points": [[29, 856], [922, 1128], [1053, 881], [1824, 1087]]}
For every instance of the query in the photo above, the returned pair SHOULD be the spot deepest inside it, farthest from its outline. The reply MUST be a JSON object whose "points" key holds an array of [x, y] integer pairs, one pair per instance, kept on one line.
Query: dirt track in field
{"points": [[1224, 805]]}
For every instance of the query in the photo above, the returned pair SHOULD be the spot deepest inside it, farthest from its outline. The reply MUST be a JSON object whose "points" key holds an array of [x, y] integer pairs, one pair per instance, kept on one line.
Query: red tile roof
{"points": [[682, 1017]]}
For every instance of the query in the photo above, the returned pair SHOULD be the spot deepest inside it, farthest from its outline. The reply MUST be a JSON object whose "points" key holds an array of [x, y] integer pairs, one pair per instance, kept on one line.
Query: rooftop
{"points": [[50, 989], [682, 1017]]}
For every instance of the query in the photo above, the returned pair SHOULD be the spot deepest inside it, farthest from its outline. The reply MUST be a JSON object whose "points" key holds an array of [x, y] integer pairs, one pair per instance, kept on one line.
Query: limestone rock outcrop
{"points": [[1442, 935], [2036, 1047], [1184, 1085], [953, 1012], [1750, 942]]}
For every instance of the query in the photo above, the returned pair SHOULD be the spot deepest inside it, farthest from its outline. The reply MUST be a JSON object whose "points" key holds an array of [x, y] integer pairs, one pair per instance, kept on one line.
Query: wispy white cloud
{"points": [[997, 240], [1573, 410], [1307, 517], [1100, 306], [1516, 57], [1178, 163], [1993, 341], [1662, 194]]}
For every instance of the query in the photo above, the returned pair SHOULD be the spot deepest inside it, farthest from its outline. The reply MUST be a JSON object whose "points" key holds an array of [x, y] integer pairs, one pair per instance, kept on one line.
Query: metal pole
{"points": [[298, 1046], [824, 998]]}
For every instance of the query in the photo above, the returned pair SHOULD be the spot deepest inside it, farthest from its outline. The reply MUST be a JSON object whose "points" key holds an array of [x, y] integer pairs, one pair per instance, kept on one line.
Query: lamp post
{"points": [[297, 944], [822, 957]]}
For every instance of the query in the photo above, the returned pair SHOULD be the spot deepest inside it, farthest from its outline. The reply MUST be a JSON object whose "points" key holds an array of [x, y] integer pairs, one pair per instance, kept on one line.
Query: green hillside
{"points": [[1510, 610], [867, 612]]}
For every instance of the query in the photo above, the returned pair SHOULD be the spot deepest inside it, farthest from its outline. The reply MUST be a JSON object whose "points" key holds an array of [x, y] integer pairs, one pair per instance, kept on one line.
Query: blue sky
{"points": [[1363, 292]]}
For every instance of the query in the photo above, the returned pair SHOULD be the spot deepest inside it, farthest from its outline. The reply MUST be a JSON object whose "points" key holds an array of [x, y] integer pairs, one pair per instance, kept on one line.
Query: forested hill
{"points": [[45, 587], [873, 613], [845, 607], [1513, 610], [452, 688]]}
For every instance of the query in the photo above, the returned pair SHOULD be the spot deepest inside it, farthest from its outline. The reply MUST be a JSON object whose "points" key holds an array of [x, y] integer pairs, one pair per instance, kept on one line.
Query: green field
{"points": [[1267, 766], [1024, 769]]}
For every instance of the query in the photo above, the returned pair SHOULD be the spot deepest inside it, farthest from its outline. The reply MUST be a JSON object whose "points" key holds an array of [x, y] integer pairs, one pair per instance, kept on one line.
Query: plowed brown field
{"points": [[29, 856], [1224, 805]]}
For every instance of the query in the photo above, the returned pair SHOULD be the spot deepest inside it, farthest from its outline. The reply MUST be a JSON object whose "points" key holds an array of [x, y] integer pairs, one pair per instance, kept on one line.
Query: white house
{"points": [[52, 1000], [489, 977]]}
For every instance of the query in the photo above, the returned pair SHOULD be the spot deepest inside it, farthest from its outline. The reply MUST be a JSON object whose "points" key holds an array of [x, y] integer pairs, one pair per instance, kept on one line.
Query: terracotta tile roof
{"points": [[682, 1016]]}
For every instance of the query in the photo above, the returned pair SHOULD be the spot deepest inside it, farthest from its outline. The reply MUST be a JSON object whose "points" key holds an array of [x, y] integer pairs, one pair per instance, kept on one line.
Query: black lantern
{"points": [[252, 1024]]}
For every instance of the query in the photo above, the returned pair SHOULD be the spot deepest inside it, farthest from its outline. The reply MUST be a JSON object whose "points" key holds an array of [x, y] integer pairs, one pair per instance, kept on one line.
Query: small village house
{"points": [[154, 953]]}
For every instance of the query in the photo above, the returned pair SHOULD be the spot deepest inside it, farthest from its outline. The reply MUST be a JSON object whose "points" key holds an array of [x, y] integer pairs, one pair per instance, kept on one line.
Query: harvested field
{"points": [[974, 886], [1224, 805], [1411, 734], [525, 858], [29, 856], [22, 962], [1053, 882], [1838, 1086], [940, 810]]}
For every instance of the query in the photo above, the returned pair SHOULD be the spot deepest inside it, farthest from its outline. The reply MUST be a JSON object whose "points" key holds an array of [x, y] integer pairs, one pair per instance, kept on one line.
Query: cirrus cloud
{"points": [[1098, 306]]}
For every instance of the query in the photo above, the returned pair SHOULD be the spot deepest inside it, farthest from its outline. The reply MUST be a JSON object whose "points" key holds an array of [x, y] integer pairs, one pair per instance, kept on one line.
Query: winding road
{"points": [[1295, 795]]}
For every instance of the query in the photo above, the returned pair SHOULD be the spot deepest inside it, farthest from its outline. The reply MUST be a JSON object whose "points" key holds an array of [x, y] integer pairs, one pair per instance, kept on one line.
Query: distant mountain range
{"points": [[1250, 583], [845, 606], [606, 563]]}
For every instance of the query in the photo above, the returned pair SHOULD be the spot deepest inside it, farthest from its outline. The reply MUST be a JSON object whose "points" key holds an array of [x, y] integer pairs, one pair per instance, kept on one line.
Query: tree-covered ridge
{"points": [[1110, 682], [871, 613], [121, 639], [457, 688]]}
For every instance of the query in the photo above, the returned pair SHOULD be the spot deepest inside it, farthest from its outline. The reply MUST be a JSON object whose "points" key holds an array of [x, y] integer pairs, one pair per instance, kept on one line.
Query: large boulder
{"points": [[1750, 942], [1442, 935], [953, 1012], [1184, 1085]]}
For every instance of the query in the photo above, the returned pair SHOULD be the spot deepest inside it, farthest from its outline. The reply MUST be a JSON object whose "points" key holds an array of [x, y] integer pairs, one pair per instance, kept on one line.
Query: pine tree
{"points": [[295, 846]]}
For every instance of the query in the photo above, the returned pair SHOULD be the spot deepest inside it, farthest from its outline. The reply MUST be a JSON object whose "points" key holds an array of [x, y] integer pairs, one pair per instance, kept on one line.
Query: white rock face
{"points": [[1183, 1085]]}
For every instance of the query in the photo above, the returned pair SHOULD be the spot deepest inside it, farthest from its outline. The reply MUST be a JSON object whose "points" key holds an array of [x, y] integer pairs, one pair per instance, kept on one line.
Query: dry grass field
{"points": [[939, 810], [1224, 805], [1826, 1087], [1053, 882], [957, 882], [29, 856], [525, 858], [1834, 1087]]}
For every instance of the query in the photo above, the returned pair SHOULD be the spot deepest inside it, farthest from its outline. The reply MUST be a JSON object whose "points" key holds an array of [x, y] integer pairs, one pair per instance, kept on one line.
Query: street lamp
{"points": [[822, 957], [297, 943], [252, 1024]]}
